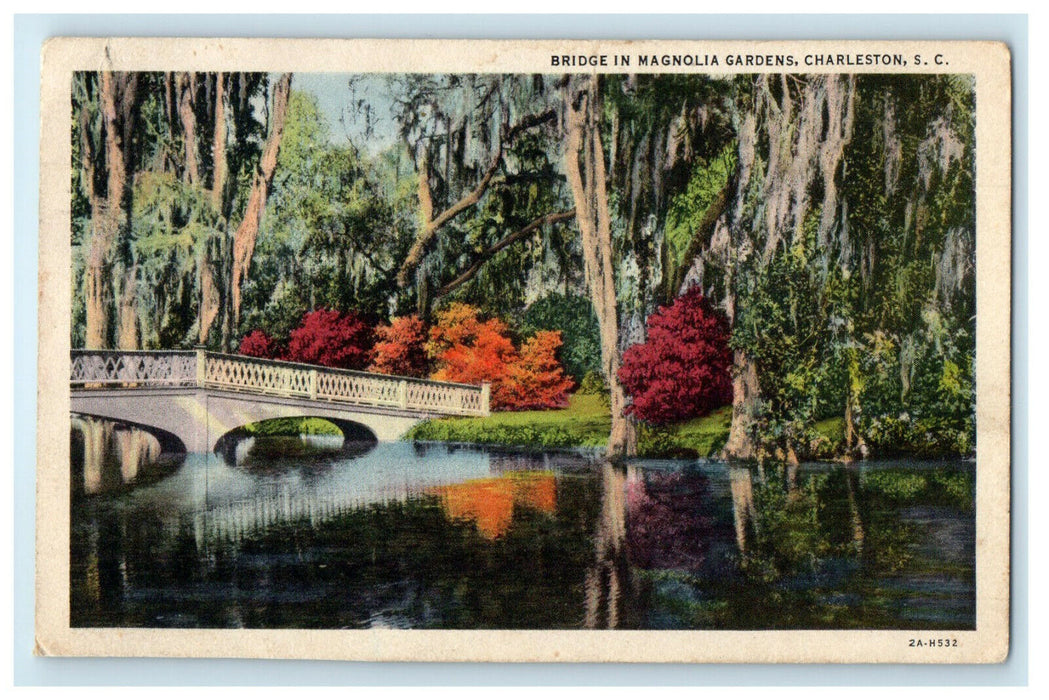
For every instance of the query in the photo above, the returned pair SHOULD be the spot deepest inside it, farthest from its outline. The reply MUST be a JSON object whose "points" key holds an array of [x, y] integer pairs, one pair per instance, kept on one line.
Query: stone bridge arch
{"points": [[199, 396], [357, 436], [199, 419]]}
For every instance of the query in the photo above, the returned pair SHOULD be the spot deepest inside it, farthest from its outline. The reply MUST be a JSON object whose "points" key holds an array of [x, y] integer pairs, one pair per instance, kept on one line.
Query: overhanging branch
{"points": [[434, 224], [699, 237], [488, 253]]}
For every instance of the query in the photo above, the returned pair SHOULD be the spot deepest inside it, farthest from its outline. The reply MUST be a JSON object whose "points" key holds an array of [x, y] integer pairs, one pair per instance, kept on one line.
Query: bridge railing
{"points": [[125, 368], [114, 368]]}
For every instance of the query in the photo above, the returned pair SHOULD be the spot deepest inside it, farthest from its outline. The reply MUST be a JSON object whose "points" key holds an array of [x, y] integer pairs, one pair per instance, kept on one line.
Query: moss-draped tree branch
{"points": [[488, 253], [431, 223]]}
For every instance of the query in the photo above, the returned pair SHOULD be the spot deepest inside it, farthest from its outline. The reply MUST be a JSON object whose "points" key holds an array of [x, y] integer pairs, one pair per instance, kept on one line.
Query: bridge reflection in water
{"points": [[433, 536]]}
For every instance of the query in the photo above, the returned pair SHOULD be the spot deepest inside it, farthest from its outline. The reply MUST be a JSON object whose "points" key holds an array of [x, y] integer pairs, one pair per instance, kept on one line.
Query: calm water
{"points": [[409, 536]]}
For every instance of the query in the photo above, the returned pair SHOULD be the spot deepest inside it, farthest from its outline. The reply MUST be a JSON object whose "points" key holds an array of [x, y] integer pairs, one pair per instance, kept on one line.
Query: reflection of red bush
{"points": [[400, 348], [683, 370], [666, 524], [331, 339]]}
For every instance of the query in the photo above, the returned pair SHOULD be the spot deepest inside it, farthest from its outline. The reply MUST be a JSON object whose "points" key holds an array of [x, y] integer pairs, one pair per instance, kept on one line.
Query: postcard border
{"points": [[992, 413]]}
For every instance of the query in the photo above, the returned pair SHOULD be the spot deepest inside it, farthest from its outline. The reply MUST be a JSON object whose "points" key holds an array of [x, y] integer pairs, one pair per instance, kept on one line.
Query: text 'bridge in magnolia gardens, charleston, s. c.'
{"points": [[190, 399]]}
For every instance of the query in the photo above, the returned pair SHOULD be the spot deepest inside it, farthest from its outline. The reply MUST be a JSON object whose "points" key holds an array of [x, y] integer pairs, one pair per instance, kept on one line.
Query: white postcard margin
{"points": [[989, 62]]}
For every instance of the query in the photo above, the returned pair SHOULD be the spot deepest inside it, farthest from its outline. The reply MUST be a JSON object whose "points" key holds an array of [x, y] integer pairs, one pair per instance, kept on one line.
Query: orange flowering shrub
{"points": [[537, 379], [400, 348], [468, 350]]}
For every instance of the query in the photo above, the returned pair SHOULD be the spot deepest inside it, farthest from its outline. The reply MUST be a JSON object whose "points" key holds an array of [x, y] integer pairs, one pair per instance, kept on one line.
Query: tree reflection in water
{"points": [[813, 548], [609, 576], [535, 542], [490, 503]]}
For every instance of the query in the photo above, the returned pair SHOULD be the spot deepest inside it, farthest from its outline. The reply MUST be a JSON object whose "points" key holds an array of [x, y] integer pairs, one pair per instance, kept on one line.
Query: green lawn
{"points": [[699, 437], [292, 426], [584, 423]]}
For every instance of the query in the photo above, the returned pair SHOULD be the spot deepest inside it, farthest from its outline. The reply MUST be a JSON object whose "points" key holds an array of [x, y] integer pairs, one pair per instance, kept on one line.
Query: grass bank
{"points": [[277, 427], [584, 423]]}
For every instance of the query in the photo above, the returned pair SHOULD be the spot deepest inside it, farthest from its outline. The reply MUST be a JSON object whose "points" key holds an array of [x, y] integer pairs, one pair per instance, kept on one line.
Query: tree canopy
{"points": [[829, 220]]}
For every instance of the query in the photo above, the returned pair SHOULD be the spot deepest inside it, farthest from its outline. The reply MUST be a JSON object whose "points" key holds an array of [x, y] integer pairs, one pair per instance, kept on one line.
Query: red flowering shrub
{"points": [[537, 380], [683, 370], [332, 339], [258, 344], [400, 348]]}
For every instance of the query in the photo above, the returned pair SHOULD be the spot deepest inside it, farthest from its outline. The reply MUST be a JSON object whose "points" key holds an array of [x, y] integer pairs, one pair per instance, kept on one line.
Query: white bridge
{"points": [[190, 399]]}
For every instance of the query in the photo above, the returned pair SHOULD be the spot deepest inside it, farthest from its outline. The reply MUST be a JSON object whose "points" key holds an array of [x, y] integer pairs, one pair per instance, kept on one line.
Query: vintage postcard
{"points": [[525, 351]]}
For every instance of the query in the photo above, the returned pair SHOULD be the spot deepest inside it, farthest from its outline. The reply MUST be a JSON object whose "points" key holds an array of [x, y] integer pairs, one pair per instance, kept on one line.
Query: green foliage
{"points": [[781, 324], [330, 236], [789, 537], [928, 437], [574, 316], [593, 384], [911, 208], [826, 440], [898, 488], [688, 208], [173, 223], [291, 426]]}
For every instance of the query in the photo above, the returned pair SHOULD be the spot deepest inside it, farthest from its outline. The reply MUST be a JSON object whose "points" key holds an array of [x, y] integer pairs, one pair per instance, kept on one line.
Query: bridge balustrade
{"points": [[181, 368], [119, 368]]}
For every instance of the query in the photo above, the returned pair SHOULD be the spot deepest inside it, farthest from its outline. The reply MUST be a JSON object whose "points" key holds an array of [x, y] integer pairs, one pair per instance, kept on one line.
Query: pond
{"points": [[401, 535]]}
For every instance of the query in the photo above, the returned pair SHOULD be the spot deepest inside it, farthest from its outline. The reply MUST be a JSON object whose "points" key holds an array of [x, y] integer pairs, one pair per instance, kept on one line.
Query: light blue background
{"points": [[32, 30]]}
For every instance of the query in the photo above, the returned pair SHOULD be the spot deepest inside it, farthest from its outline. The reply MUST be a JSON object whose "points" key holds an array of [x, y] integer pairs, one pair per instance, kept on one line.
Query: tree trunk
{"points": [[210, 296], [96, 297], [854, 511], [218, 148], [608, 577], [423, 303], [585, 169], [187, 115], [248, 231], [744, 512], [745, 395], [127, 311], [854, 443], [109, 212], [210, 261]]}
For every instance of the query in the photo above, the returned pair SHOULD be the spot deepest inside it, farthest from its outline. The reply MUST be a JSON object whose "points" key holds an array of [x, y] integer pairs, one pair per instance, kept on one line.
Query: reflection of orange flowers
{"points": [[490, 502]]}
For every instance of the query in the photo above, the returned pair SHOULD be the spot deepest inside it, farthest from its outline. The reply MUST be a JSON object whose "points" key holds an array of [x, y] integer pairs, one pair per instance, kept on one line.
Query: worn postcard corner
{"points": [[683, 351]]}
